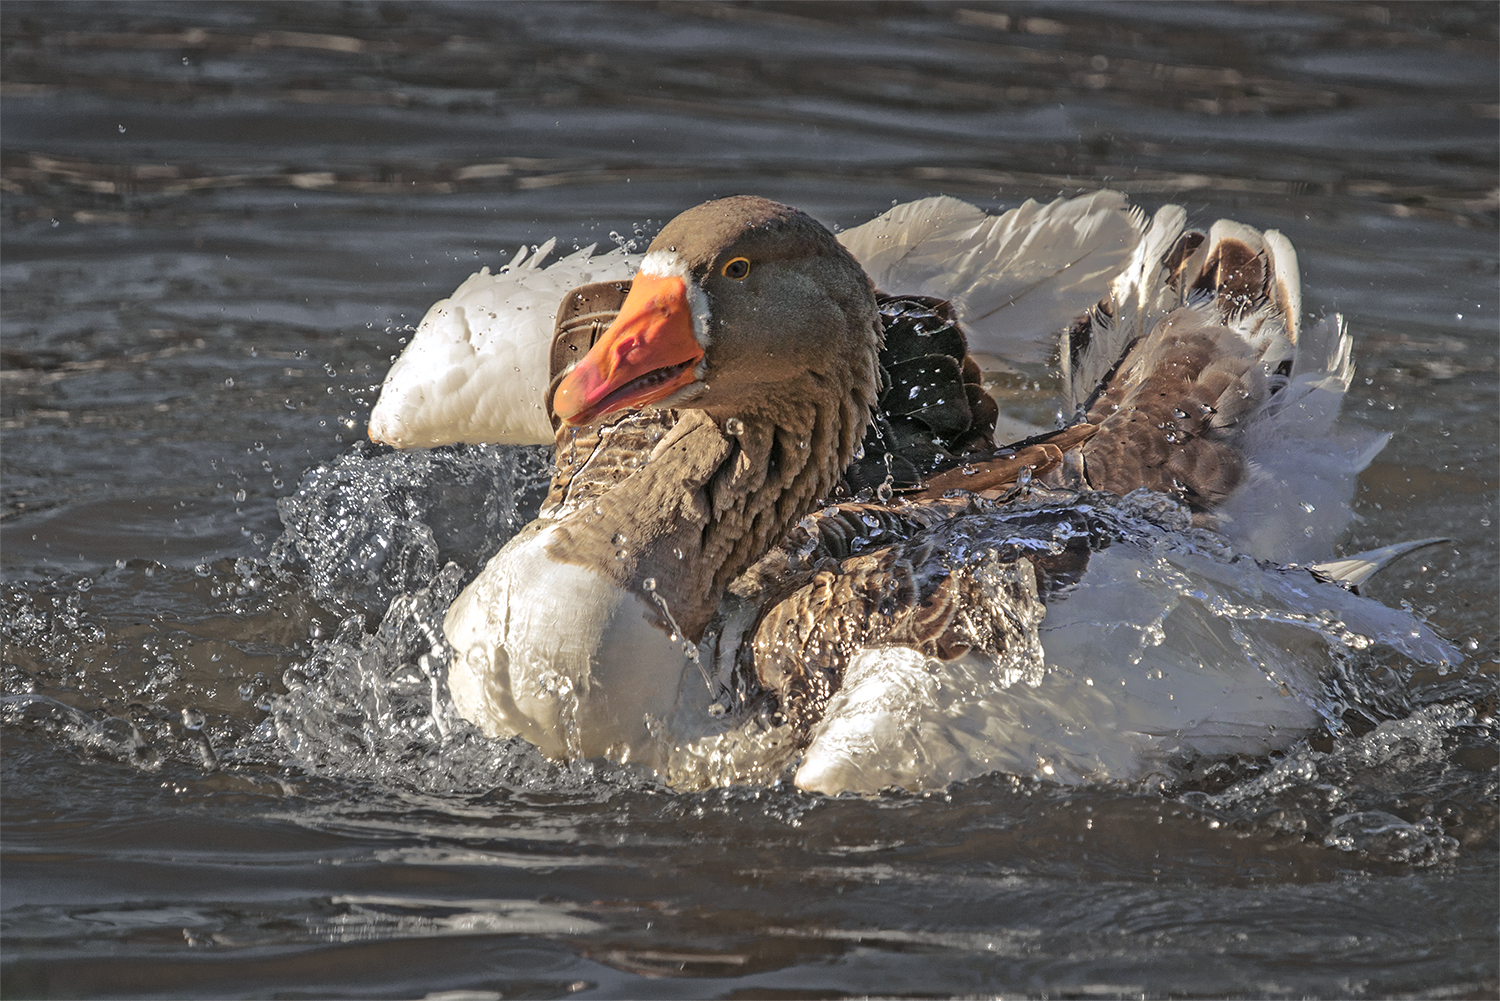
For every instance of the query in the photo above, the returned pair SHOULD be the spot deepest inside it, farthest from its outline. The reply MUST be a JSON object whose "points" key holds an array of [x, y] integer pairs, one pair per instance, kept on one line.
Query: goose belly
{"points": [[561, 656]]}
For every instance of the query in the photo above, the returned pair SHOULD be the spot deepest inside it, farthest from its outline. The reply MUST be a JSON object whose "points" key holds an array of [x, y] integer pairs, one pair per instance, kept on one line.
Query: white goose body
{"points": [[1170, 644]]}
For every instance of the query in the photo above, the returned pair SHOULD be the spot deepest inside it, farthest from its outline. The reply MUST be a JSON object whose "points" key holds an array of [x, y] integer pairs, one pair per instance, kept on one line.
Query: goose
{"points": [[780, 536]]}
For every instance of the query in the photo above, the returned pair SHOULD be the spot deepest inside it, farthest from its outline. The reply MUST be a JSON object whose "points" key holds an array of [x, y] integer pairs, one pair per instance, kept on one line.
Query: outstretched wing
{"points": [[1014, 279], [478, 366]]}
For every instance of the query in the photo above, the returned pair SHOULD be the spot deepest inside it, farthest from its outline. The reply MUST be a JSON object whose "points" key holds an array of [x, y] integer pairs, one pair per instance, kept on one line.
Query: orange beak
{"points": [[646, 355]]}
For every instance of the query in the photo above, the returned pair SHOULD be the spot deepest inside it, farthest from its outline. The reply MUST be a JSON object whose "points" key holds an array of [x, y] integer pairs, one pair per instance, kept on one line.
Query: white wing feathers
{"points": [[1015, 279], [477, 367]]}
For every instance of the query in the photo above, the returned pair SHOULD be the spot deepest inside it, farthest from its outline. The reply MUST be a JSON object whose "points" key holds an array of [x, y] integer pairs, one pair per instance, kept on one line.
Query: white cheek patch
{"points": [[666, 264]]}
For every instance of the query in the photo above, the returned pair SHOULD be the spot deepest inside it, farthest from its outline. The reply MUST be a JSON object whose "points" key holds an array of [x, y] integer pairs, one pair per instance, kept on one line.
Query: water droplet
{"points": [[122, 132], [228, 383], [201, 570], [649, 583], [1308, 507], [1178, 413], [55, 224], [192, 719], [734, 426], [618, 539]]}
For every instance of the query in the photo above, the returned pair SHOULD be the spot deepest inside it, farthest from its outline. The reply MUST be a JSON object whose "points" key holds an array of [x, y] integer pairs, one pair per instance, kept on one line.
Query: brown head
{"points": [[741, 306]]}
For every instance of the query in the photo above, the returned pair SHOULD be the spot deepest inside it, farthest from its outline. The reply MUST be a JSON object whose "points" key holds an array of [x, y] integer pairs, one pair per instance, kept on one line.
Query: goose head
{"points": [[742, 307]]}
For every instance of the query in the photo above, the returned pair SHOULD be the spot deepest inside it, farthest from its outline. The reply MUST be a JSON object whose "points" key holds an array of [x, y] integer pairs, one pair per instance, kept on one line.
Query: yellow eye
{"points": [[736, 269]]}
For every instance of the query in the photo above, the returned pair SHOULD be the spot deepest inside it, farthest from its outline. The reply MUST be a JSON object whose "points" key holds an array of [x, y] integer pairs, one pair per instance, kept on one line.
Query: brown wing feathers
{"points": [[928, 590], [1169, 414]]}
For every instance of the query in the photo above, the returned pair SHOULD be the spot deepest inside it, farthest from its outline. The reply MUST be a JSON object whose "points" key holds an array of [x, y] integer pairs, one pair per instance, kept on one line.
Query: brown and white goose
{"points": [[723, 397]]}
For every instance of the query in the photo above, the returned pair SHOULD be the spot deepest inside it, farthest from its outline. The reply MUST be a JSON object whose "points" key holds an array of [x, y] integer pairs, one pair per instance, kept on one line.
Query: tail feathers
{"points": [[1014, 279], [1352, 571]]}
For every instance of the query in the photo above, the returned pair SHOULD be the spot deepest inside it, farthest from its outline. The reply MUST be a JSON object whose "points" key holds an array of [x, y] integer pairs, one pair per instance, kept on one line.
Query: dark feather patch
{"points": [[933, 408]]}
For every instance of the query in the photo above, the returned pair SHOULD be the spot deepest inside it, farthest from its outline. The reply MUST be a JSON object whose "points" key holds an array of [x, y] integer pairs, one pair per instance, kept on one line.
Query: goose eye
{"points": [[736, 269]]}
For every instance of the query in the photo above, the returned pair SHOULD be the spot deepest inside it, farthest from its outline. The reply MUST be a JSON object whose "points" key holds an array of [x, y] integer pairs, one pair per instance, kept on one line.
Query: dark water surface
{"points": [[220, 779]]}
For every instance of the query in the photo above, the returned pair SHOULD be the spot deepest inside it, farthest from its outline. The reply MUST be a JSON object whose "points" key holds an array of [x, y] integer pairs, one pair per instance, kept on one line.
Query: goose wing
{"points": [[478, 365]]}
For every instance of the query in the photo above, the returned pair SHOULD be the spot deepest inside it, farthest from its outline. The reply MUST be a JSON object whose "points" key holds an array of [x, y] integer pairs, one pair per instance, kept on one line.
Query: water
{"points": [[222, 771]]}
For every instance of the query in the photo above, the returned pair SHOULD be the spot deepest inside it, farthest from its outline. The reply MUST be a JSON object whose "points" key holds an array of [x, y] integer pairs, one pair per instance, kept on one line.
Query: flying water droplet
{"points": [[734, 426]]}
